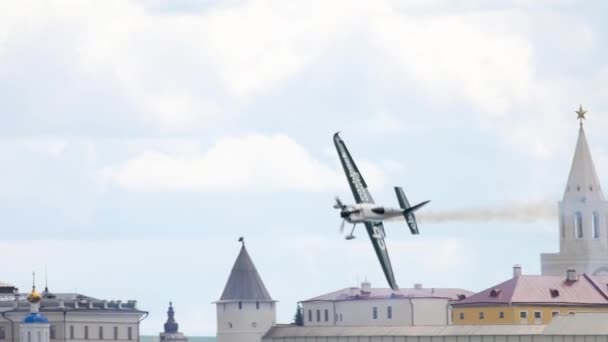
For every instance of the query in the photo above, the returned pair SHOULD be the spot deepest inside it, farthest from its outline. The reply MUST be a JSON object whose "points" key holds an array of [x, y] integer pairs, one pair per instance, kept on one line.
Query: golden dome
{"points": [[34, 296]]}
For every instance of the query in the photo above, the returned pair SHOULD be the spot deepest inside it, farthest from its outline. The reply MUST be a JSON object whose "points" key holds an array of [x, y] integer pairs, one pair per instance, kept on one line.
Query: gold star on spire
{"points": [[581, 114]]}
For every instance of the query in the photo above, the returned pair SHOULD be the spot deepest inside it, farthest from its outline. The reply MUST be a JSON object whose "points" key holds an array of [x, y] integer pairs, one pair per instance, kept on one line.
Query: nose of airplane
{"points": [[344, 214]]}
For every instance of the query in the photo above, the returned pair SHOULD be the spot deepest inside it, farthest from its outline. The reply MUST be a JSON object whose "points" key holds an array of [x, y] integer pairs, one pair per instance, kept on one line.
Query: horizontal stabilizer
{"points": [[408, 211]]}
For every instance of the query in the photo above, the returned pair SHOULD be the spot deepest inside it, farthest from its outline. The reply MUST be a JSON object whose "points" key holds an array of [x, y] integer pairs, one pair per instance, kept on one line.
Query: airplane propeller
{"points": [[342, 226]]}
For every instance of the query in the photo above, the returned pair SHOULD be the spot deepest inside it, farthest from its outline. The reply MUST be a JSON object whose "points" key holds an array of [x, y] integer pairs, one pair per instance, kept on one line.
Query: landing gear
{"points": [[351, 236]]}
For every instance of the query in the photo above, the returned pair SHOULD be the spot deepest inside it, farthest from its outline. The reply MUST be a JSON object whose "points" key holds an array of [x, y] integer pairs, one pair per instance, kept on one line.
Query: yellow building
{"points": [[533, 299]]}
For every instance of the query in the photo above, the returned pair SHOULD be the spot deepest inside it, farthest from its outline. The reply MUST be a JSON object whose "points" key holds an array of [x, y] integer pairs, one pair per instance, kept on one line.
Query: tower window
{"points": [[375, 312], [326, 315], [230, 325], [389, 312], [596, 225], [240, 305], [257, 305], [318, 315], [578, 224], [310, 315]]}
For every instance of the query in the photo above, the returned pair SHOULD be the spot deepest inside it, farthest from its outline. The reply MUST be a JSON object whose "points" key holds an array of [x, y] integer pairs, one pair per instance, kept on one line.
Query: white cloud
{"points": [[251, 162]]}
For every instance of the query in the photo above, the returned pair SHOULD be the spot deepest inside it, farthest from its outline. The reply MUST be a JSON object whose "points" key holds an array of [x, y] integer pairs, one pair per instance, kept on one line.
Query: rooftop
{"points": [[364, 293]]}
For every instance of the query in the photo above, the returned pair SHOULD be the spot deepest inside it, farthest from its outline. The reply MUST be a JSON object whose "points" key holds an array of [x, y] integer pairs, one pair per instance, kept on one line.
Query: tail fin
{"points": [[408, 211]]}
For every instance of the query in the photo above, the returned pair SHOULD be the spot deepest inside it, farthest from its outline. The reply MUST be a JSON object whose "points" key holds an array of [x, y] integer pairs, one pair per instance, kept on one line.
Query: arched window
{"points": [[596, 225], [578, 224]]}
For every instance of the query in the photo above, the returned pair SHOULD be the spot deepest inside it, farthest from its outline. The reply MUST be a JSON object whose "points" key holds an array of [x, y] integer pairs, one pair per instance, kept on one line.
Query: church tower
{"points": [[245, 310], [35, 327], [171, 332], [583, 215]]}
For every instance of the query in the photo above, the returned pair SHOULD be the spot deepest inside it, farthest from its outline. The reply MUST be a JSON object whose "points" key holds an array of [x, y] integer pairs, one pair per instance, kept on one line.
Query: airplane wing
{"points": [[376, 235], [355, 180]]}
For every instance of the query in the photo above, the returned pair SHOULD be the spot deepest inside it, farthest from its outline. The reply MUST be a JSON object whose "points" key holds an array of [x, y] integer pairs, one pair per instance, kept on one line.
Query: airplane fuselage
{"points": [[370, 212]]}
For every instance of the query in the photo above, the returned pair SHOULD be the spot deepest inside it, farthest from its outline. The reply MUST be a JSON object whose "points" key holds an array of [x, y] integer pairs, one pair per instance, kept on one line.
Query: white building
{"points": [[584, 327], [72, 317], [583, 218], [245, 310], [367, 306]]}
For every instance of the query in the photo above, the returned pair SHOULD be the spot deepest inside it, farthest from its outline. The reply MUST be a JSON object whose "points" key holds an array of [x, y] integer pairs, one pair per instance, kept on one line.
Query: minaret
{"points": [[583, 213], [245, 310], [171, 332], [35, 326]]}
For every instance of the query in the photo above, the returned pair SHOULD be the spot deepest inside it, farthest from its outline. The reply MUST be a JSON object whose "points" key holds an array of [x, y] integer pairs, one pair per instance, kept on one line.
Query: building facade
{"points": [[72, 317], [245, 311], [533, 299], [583, 218], [367, 306]]}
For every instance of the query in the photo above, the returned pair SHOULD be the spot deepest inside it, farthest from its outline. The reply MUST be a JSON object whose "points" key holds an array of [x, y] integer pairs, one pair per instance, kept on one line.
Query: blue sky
{"points": [[140, 139]]}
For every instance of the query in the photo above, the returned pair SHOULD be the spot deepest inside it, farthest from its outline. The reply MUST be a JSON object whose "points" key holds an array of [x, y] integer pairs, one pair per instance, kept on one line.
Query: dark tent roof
{"points": [[244, 282]]}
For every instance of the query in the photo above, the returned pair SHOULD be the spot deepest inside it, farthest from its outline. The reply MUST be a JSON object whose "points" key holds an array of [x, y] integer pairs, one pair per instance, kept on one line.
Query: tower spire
{"points": [[583, 182]]}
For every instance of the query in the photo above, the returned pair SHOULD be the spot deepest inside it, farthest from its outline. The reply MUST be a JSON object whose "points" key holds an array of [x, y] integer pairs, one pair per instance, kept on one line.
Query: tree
{"points": [[298, 318]]}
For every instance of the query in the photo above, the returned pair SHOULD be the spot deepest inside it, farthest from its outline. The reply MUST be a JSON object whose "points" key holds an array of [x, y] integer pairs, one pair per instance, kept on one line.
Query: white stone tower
{"points": [[245, 310], [35, 326], [583, 214]]}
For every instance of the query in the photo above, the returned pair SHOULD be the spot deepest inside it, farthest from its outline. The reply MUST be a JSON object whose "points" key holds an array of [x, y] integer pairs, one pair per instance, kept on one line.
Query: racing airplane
{"points": [[370, 214]]}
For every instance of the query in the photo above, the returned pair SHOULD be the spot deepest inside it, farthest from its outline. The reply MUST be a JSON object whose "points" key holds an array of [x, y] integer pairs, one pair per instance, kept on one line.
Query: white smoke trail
{"points": [[524, 212]]}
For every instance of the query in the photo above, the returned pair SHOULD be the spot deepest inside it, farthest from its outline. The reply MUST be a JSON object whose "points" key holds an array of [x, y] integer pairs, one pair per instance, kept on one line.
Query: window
{"points": [[230, 325], [596, 225], [39, 334], [578, 224], [318, 315], [257, 305], [29, 336], [537, 315], [101, 333], [2, 333], [554, 313], [523, 314], [571, 313], [254, 324], [481, 315], [240, 305], [326, 314], [71, 332], [310, 315], [86, 332], [389, 312], [130, 333], [116, 333], [340, 317], [461, 315], [501, 315], [52, 330], [375, 312]]}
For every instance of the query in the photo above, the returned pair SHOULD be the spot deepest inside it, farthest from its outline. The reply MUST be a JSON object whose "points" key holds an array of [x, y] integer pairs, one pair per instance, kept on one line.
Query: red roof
{"points": [[539, 289]]}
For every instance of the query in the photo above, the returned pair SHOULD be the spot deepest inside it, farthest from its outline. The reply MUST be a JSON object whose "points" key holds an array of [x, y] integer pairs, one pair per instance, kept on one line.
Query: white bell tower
{"points": [[245, 310], [583, 214]]}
